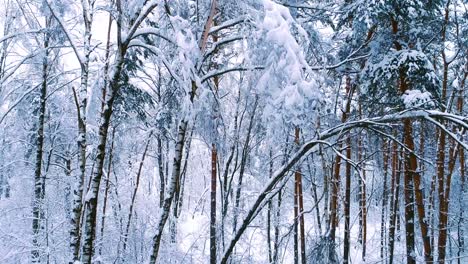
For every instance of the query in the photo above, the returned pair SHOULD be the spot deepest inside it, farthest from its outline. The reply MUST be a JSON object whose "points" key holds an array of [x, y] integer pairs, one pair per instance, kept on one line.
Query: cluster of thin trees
{"points": [[169, 131]]}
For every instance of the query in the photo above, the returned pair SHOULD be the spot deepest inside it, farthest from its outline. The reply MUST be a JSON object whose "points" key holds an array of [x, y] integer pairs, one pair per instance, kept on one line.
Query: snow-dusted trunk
{"points": [[394, 200], [300, 203], [269, 209], [362, 237], [75, 231], [214, 173], [347, 198], [37, 203], [172, 184], [106, 191], [162, 181], [93, 192], [383, 221], [214, 170]]}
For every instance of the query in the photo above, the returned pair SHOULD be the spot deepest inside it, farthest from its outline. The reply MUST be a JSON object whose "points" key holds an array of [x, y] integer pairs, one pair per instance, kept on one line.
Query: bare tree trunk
{"points": [[37, 211], [347, 201], [93, 192], [411, 178], [383, 221], [298, 178], [214, 173], [106, 192], [165, 210], [335, 184], [75, 231], [270, 253], [461, 220], [394, 198], [296, 217], [162, 185]]}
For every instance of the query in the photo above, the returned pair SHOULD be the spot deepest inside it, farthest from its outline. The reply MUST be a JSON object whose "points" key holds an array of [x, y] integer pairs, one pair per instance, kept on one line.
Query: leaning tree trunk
{"points": [[93, 192], [165, 210]]}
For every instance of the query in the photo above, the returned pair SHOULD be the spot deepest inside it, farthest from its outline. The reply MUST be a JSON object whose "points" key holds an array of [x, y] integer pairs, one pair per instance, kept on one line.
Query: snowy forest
{"points": [[233, 131]]}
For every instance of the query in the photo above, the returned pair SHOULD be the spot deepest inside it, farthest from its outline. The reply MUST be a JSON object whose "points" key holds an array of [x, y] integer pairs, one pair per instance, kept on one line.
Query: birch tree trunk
{"points": [[38, 211]]}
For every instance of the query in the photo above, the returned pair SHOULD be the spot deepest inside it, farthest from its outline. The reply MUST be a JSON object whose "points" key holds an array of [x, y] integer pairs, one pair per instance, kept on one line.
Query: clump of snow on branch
{"points": [[286, 78], [416, 98]]}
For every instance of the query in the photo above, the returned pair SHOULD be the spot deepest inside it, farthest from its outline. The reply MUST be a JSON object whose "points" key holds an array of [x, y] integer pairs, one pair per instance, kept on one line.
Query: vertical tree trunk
{"points": [[213, 205], [162, 185], [106, 192], [383, 250], [335, 183], [75, 231], [394, 198], [214, 171], [269, 209], [461, 220], [296, 218], [411, 178], [443, 205], [300, 197], [38, 184], [362, 193], [347, 201]]}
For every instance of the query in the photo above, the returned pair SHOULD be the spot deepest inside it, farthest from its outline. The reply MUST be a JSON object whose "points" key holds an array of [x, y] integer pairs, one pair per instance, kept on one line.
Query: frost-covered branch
{"points": [[17, 34], [67, 33], [228, 23], [144, 12], [214, 73], [153, 31]]}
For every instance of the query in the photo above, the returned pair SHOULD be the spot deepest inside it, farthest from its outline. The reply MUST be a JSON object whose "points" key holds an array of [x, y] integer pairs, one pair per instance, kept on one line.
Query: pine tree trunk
{"points": [[383, 249], [461, 221], [335, 183]]}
